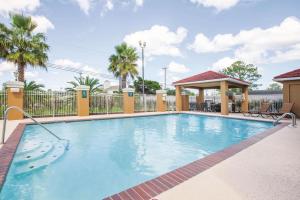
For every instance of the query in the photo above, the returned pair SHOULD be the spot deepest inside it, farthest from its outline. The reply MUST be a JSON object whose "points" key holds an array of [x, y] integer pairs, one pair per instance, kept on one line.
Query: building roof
{"points": [[209, 76], [292, 75]]}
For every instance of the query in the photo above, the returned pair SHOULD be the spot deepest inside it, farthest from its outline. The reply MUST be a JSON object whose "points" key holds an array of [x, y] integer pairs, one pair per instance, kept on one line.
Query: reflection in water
{"points": [[107, 156]]}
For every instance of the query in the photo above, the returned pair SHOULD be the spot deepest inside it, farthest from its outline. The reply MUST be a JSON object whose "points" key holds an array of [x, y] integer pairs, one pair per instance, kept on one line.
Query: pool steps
{"points": [[35, 154], [39, 156], [29, 147]]}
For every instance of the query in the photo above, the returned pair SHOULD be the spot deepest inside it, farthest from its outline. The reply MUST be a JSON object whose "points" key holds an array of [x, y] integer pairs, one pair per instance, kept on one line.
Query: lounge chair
{"points": [[286, 108], [261, 112]]}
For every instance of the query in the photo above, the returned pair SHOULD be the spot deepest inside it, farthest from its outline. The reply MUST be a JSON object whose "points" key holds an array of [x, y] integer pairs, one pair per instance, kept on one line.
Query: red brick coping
{"points": [[8, 150], [151, 188]]}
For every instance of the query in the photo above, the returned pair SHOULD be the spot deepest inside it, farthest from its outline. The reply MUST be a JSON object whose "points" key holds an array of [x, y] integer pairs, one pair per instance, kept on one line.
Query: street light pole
{"points": [[143, 45]]}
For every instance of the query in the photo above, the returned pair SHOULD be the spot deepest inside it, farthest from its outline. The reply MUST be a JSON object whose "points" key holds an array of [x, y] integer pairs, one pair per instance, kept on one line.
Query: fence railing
{"points": [[3, 103], [255, 102], [105, 104], [171, 103], [150, 103], [45, 104]]}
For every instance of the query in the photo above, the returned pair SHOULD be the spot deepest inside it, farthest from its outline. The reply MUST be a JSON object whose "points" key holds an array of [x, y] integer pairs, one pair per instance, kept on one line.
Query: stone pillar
{"points": [[161, 103], [185, 101], [83, 100], [15, 96], [245, 99], [224, 98], [200, 97], [128, 100], [178, 99]]}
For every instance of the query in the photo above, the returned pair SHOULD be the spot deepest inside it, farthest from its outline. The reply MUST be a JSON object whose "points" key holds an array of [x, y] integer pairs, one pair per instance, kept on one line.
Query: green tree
{"points": [[123, 63], [92, 82], [274, 87], [32, 85], [150, 86], [21, 46], [171, 92], [243, 71]]}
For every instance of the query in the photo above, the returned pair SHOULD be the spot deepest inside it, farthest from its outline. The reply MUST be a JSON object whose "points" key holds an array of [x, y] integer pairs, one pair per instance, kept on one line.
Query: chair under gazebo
{"points": [[210, 80]]}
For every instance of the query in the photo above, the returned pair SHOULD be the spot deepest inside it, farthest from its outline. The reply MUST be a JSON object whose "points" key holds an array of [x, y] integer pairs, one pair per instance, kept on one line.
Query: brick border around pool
{"points": [[148, 189], [152, 188], [8, 150]]}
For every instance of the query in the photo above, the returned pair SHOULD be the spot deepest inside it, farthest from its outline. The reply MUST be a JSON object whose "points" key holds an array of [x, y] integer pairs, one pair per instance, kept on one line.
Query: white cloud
{"points": [[159, 39], [67, 63], [177, 68], [43, 23], [223, 63], [256, 45], [86, 69], [282, 56], [6, 67], [84, 5], [31, 74], [217, 4], [139, 2], [7, 6], [108, 6]]}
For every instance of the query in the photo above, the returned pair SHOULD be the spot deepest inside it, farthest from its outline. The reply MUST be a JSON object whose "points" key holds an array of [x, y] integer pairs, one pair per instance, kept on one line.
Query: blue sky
{"points": [[187, 36]]}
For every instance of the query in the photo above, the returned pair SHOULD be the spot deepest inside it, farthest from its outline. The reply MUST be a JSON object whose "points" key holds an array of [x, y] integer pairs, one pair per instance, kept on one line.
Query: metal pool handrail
{"points": [[294, 122], [27, 115]]}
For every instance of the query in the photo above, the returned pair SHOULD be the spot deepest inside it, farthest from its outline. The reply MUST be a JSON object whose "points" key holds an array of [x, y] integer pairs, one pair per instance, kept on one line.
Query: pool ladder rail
{"points": [[66, 144], [294, 121]]}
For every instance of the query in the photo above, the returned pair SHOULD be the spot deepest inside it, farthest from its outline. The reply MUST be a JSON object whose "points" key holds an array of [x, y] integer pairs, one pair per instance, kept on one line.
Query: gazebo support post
{"points": [[245, 99], [178, 98], [200, 97], [224, 97], [185, 101]]}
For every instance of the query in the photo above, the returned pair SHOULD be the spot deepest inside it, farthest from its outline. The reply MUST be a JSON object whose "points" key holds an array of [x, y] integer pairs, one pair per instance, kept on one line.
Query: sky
{"points": [[186, 36]]}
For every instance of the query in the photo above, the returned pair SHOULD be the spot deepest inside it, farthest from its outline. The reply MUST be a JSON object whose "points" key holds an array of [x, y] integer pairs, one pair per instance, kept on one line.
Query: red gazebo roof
{"points": [[289, 75], [209, 76]]}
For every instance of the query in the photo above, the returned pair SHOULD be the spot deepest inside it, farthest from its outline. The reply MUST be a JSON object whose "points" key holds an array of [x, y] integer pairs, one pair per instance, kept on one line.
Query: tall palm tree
{"points": [[32, 85], [21, 46], [123, 63], [92, 82]]}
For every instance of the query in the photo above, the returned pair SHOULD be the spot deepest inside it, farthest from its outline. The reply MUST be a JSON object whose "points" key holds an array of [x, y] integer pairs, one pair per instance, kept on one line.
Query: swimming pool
{"points": [[108, 156]]}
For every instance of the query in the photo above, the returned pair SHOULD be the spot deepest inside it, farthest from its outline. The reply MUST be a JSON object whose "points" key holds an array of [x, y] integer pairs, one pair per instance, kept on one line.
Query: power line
{"points": [[79, 71]]}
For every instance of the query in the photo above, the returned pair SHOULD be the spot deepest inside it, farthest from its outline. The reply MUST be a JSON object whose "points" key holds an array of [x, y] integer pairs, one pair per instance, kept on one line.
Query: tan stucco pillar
{"points": [[200, 97], [178, 98], [224, 97], [286, 92], [15, 96], [128, 100], [185, 101], [83, 104], [161, 103], [245, 101]]}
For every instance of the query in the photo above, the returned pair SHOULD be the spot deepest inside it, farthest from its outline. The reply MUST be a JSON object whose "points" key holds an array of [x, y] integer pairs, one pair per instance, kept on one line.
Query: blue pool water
{"points": [[108, 156]]}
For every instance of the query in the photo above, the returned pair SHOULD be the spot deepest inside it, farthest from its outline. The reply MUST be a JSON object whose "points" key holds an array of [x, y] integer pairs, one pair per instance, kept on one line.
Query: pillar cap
{"points": [[82, 87], [161, 91], [128, 90], [14, 84]]}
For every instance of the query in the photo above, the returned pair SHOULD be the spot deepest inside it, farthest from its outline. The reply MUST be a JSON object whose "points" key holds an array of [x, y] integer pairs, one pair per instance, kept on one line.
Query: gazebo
{"points": [[210, 80]]}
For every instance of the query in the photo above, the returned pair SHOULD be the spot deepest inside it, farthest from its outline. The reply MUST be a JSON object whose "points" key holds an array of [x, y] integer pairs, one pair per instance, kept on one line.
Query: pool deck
{"points": [[268, 169]]}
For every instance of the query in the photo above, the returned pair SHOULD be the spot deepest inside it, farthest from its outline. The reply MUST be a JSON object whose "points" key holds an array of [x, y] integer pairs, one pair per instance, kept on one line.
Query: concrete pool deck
{"points": [[269, 169]]}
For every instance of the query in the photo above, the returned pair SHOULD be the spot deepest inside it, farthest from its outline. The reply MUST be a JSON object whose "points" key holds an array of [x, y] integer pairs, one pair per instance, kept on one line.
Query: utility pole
{"points": [[165, 82], [143, 45]]}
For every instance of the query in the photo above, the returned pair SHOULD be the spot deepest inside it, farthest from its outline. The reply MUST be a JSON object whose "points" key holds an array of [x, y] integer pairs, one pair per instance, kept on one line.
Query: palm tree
{"points": [[92, 82], [21, 46], [32, 85], [123, 63]]}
